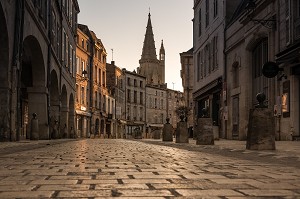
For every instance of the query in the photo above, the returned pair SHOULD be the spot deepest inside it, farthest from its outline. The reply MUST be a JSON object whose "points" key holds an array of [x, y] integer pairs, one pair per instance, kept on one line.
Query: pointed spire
{"points": [[149, 52], [162, 51]]}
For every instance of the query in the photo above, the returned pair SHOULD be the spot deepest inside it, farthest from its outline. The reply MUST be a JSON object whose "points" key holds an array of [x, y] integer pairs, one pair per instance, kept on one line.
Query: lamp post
{"points": [[251, 8]]}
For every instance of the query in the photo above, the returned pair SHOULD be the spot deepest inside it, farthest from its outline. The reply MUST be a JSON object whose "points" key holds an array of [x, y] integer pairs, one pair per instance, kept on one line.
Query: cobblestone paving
{"points": [[98, 168]]}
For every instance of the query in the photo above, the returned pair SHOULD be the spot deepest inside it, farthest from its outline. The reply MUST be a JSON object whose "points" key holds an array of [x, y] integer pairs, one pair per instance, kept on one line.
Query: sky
{"points": [[121, 26]]}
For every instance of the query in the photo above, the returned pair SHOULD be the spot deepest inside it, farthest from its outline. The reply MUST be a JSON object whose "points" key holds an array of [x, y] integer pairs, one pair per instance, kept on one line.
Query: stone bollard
{"points": [[205, 132], [182, 135], [34, 133], [65, 131], [156, 134], [167, 135], [261, 131], [72, 133], [54, 134]]}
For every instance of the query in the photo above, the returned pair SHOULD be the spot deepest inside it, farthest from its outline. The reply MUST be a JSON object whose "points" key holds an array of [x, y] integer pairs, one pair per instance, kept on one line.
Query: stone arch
{"points": [[4, 68], [71, 114], [64, 112], [54, 100], [33, 88], [97, 127]]}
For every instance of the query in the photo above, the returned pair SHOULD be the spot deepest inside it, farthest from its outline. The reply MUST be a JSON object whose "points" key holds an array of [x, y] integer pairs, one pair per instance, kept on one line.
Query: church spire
{"points": [[149, 51], [162, 51]]}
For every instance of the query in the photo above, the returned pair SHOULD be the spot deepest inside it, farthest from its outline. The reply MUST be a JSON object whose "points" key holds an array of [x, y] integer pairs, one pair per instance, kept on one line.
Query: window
{"points": [[103, 79], [63, 44], [77, 65], [201, 64], [77, 92], [141, 84], [287, 21], [207, 13], [96, 100], [128, 81], [99, 76], [128, 96], [199, 24], [235, 74], [141, 98], [134, 82], [198, 67], [259, 57], [82, 43], [82, 66], [215, 53], [135, 97], [215, 8], [82, 95], [161, 104]]}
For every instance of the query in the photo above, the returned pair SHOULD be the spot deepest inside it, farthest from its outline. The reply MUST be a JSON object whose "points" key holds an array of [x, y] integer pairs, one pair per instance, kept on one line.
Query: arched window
{"points": [[259, 82]]}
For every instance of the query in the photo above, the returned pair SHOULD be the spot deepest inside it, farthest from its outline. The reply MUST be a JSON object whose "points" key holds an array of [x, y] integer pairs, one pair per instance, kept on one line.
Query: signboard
{"points": [[270, 69]]}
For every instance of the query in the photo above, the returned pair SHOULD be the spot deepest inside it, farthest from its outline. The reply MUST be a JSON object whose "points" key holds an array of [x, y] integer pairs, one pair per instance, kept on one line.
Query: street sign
{"points": [[270, 69]]}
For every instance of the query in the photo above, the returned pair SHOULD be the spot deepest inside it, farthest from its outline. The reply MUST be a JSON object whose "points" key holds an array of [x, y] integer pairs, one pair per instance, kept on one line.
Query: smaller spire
{"points": [[162, 44]]}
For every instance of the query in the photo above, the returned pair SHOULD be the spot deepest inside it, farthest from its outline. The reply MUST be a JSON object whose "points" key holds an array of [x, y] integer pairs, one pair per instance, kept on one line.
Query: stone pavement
{"points": [[108, 168]]}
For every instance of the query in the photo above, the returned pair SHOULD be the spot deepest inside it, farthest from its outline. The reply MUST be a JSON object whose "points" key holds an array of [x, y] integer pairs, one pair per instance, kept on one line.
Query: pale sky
{"points": [[121, 26]]}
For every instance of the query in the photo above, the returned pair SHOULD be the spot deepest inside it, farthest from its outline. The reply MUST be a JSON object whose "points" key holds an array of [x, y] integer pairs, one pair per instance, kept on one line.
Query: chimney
{"points": [[112, 62]]}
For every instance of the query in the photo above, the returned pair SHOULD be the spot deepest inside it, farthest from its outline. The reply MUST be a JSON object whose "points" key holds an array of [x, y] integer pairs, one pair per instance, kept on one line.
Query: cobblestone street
{"points": [[106, 168]]}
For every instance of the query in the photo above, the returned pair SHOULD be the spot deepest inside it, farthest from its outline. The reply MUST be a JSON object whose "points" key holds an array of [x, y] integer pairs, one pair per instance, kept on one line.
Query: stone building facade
{"points": [[156, 109], [249, 45], [174, 99], [287, 57], [208, 32], [82, 102], [187, 76], [135, 98], [38, 67], [116, 87]]}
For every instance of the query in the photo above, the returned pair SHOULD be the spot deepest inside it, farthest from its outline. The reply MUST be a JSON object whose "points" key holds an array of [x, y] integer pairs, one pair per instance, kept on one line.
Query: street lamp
{"points": [[268, 23]]}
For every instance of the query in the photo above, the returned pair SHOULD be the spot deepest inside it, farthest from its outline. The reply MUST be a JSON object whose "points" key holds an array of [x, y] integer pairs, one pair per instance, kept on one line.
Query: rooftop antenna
{"points": [[173, 85], [112, 54]]}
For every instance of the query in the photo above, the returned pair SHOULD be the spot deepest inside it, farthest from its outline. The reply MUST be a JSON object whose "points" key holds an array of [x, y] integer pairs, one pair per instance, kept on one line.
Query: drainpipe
{"points": [[16, 73], [225, 74], [48, 66]]}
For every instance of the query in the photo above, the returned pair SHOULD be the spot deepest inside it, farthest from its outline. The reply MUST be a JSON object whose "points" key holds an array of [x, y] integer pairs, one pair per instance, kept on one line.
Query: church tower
{"points": [[150, 67]]}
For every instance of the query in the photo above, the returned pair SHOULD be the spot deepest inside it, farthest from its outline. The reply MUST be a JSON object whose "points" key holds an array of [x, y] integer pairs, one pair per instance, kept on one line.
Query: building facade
{"points": [[187, 76], [156, 109], [288, 88], [249, 45], [135, 98], [174, 99], [116, 87], [38, 67], [82, 102], [208, 33]]}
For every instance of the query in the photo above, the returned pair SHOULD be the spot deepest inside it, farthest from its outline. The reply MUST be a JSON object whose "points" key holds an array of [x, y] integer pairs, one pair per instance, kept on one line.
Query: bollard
{"points": [[167, 135], [34, 134]]}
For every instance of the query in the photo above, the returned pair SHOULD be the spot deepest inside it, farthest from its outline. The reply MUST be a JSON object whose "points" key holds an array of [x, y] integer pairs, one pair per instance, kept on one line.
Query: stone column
{"points": [[182, 135], [37, 103], [34, 132], [261, 131], [205, 134], [64, 116], [167, 135]]}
